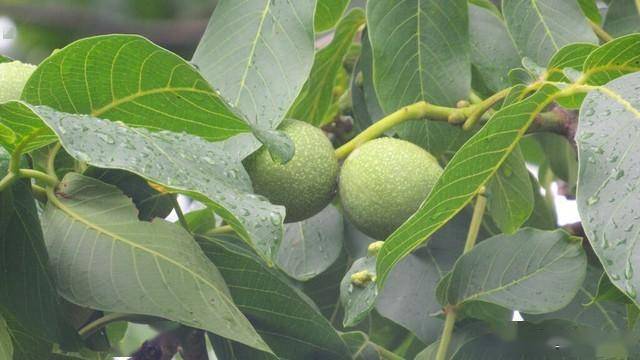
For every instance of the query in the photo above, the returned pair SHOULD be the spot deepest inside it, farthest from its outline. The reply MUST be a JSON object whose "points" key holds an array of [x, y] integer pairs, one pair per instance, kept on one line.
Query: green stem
{"points": [[39, 193], [224, 229], [483, 106], [181, 218], [415, 111], [51, 161], [476, 221], [450, 310], [6, 181], [447, 331], [38, 175], [98, 324], [600, 32]]}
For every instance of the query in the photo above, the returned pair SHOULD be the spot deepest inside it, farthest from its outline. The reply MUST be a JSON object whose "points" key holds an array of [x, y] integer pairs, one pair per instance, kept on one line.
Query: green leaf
{"points": [[532, 271], [366, 109], [561, 156], [128, 78], [541, 27], [27, 289], [285, 318], [20, 127], [5, 59], [623, 17], [543, 216], [328, 13], [26, 344], [324, 289], [493, 53], [180, 162], [280, 146], [607, 186], [310, 246], [315, 99], [589, 310], [409, 298], [554, 340], [152, 268], [590, 10], [358, 298], [258, 54], [606, 291], [470, 168], [571, 56], [149, 202], [612, 60], [509, 194], [420, 51], [6, 346], [201, 221]]}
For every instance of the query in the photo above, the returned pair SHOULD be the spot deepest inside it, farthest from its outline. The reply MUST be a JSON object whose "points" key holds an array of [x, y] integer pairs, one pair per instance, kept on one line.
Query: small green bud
{"points": [[374, 248], [362, 278]]}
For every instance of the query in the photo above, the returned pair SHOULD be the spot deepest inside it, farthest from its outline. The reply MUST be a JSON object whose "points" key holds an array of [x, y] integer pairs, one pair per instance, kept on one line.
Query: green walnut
{"points": [[383, 182], [305, 184], [13, 77]]}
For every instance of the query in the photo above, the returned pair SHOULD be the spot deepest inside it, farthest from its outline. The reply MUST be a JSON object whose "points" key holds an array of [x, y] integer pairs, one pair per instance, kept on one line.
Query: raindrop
{"points": [[628, 271], [631, 291], [586, 135], [598, 150], [82, 156], [618, 174], [613, 158], [604, 243], [615, 277], [276, 219], [106, 138], [589, 112], [208, 160], [629, 228], [593, 200]]}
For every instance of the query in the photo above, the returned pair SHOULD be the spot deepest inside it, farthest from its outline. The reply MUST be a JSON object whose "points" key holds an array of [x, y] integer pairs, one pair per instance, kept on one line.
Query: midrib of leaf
{"points": [[76, 217], [516, 281], [252, 52], [544, 24], [619, 99]]}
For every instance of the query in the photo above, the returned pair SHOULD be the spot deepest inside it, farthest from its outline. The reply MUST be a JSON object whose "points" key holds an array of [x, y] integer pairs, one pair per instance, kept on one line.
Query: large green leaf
{"points": [[409, 297], [287, 320], [27, 289], [533, 271], [181, 162], [6, 346], [607, 182], [324, 289], [509, 194], [328, 13], [437, 137], [420, 51], [310, 246], [127, 78], [315, 99], [541, 27], [552, 340], [27, 345], [492, 51], [153, 268], [603, 315], [258, 54], [470, 168], [613, 59], [19, 126], [623, 17]]}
